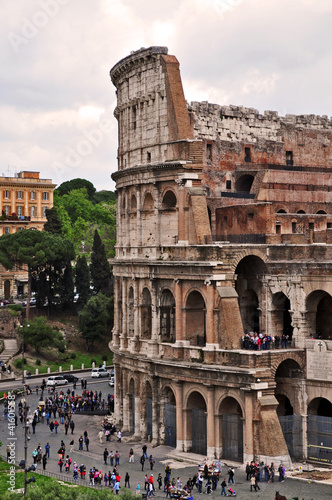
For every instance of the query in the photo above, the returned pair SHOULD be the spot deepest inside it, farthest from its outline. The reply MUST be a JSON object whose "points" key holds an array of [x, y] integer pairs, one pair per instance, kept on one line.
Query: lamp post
{"points": [[23, 377]]}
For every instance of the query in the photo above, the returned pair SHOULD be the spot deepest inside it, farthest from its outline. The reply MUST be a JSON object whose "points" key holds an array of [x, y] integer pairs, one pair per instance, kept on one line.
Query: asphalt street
{"points": [[181, 466]]}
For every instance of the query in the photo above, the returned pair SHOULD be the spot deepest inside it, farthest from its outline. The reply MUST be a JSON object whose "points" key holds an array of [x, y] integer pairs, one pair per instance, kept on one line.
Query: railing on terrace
{"points": [[15, 218]]}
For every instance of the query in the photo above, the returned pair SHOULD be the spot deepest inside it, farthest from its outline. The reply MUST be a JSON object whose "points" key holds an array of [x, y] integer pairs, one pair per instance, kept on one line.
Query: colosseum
{"points": [[223, 276]]}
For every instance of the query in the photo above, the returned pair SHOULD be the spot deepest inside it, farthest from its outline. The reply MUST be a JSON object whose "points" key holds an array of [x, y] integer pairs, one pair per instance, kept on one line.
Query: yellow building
{"points": [[23, 203]]}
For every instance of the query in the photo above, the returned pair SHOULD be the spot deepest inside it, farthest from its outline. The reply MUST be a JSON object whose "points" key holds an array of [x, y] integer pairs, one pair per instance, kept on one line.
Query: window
{"points": [[289, 158], [19, 211], [247, 155], [7, 230], [33, 211], [134, 117], [7, 210], [293, 227], [311, 226], [329, 225], [228, 184], [45, 195], [32, 195], [44, 211], [209, 152], [278, 228], [148, 156], [250, 216], [20, 195], [6, 193]]}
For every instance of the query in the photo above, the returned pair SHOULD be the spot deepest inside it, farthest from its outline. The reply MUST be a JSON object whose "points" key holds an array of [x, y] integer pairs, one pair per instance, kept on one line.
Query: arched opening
{"points": [[244, 183], [131, 321], [168, 231], [231, 429], [170, 417], [147, 221], [7, 289], [195, 319], [196, 423], [169, 200], [281, 319], [133, 220], [300, 212], [319, 314], [132, 405], [319, 430], [290, 421], [250, 272], [148, 410], [281, 211], [321, 212], [284, 408], [146, 315], [167, 317]]}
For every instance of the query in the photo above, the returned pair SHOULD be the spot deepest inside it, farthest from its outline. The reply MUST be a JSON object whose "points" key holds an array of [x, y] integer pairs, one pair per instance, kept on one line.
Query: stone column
{"points": [[136, 342], [182, 213], [157, 224], [124, 332], [178, 311], [138, 218], [138, 433], [127, 218], [155, 320], [155, 413], [210, 424], [210, 331], [179, 416]]}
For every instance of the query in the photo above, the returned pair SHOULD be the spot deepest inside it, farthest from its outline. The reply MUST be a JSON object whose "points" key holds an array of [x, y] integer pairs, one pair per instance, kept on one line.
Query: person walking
{"points": [[119, 436], [127, 480], [159, 481], [131, 456], [44, 461], [66, 427], [60, 464], [142, 461], [223, 488], [151, 462], [47, 449], [71, 444], [105, 456], [80, 443], [72, 426]]}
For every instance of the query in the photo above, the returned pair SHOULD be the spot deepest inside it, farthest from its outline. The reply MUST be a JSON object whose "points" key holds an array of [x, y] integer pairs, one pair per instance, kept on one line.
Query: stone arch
{"points": [[319, 314], [243, 184], [297, 358], [280, 316], [148, 221], [195, 310], [321, 212], [250, 271], [133, 220], [231, 428], [248, 253], [147, 412], [285, 407], [169, 199], [281, 211], [286, 372], [131, 313], [196, 426], [146, 314], [167, 316], [320, 406], [131, 405], [300, 211], [168, 416], [169, 231]]}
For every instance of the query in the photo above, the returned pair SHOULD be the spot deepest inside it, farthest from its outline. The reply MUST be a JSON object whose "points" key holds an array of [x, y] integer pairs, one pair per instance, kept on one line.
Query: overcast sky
{"points": [[57, 99]]}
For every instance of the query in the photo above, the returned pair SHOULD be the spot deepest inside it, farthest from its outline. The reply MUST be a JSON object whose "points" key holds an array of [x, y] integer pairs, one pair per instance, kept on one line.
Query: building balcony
{"points": [[14, 218]]}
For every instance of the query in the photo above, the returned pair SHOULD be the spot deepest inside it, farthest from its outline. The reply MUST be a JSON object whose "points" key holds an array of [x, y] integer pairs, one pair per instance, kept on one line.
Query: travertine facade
{"points": [[223, 225]]}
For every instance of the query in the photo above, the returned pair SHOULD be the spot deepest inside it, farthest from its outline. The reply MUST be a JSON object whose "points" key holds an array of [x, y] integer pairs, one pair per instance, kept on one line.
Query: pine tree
{"points": [[100, 268], [82, 281]]}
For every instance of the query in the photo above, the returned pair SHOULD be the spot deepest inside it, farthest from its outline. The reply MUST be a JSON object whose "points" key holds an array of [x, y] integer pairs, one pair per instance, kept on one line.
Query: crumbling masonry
{"points": [[224, 225]]}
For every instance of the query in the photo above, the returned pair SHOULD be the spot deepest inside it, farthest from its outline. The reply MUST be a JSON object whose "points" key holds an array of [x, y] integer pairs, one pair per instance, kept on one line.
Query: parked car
{"points": [[99, 372], [56, 380], [71, 378], [4, 302], [33, 302], [111, 382]]}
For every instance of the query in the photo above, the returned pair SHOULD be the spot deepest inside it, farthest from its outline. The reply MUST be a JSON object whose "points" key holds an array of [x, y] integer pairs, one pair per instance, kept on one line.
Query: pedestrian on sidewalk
{"points": [[72, 426], [127, 480], [142, 460], [223, 488], [44, 461], [71, 444], [105, 456], [119, 436], [87, 441], [131, 456]]}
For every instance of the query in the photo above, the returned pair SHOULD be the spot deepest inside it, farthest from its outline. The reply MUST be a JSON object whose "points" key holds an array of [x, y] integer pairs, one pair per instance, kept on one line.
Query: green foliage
{"points": [[39, 334], [38, 362], [53, 224], [82, 281], [73, 355], [95, 319], [100, 269], [74, 184], [18, 364], [15, 307]]}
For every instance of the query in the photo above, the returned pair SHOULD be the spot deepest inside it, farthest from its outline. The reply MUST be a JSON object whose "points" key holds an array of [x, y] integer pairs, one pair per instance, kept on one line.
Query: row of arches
{"points": [[283, 211]]}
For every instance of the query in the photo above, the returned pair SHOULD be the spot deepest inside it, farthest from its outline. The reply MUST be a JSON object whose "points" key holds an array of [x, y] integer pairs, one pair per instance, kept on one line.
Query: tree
{"points": [[100, 268], [82, 281], [38, 333], [68, 186], [95, 318], [38, 250], [53, 224]]}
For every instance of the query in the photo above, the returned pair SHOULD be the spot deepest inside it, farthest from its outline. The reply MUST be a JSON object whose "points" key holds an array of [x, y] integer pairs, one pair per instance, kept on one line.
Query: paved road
{"points": [[162, 455]]}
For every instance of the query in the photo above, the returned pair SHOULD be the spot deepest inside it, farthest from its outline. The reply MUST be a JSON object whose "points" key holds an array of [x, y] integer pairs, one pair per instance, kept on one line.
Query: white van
{"points": [[100, 372]]}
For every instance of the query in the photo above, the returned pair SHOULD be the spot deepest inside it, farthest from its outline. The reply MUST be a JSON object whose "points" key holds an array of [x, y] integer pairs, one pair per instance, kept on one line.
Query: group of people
{"points": [[259, 472], [264, 341]]}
